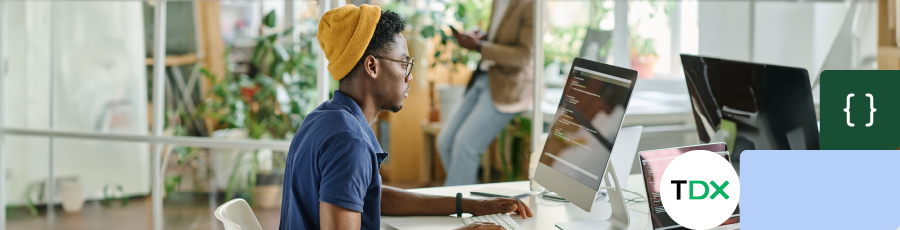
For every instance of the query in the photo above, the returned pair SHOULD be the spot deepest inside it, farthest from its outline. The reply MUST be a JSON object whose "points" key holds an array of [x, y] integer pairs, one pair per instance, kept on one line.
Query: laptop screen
{"points": [[654, 163], [587, 122]]}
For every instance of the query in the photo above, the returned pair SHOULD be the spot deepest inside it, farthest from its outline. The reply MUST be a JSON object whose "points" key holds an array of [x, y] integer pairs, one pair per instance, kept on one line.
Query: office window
{"points": [[83, 69], [268, 81], [568, 25], [91, 176], [197, 180], [111, 184], [659, 32], [78, 66]]}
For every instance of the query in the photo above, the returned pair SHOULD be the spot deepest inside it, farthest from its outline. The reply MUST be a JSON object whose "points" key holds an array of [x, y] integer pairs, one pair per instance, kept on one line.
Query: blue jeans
{"points": [[468, 132]]}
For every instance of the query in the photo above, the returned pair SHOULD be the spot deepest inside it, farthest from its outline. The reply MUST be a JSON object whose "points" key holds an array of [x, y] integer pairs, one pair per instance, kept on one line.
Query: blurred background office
{"points": [[84, 126]]}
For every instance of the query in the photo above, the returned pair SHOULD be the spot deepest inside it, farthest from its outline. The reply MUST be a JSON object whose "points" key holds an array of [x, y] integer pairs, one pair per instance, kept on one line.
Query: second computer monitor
{"points": [[751, 106], [575, 157]]}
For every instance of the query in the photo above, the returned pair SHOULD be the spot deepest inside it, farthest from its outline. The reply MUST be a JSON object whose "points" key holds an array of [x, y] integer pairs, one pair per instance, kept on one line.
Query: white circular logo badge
{"points": [[700, 189]]}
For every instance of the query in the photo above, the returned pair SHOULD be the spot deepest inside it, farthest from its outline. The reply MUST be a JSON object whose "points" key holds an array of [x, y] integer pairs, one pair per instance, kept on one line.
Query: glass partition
{"points": [[83, 70]]}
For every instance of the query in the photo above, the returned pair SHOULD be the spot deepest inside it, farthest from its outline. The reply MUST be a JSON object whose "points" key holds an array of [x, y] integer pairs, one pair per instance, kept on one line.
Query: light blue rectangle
{"points": [[820, 189]]}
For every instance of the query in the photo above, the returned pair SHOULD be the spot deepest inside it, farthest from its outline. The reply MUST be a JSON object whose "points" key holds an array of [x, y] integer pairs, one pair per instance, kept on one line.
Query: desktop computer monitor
{"points": [[594, 42], [585, 127], [751, 106]]}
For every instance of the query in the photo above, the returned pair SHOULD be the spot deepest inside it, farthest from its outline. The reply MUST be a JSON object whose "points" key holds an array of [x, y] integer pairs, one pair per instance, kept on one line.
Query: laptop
{"points": [[654, 163]]}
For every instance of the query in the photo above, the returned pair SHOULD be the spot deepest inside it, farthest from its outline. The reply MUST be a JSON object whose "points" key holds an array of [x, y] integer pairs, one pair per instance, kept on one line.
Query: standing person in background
{"points": [[500, 88]]}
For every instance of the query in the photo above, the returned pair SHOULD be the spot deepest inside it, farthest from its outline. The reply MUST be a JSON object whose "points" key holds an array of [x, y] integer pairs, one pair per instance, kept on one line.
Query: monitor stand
{"points": [[618, 220]]}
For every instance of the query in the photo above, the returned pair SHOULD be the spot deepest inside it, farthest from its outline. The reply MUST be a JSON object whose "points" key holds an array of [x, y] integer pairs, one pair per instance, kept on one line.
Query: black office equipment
{"points": [[596, 45], [751, 106]]}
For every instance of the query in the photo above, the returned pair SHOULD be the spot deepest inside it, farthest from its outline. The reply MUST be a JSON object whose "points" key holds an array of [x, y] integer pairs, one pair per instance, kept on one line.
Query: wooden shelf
{"points": [[889, 51], [888, 58], [177, 60]]}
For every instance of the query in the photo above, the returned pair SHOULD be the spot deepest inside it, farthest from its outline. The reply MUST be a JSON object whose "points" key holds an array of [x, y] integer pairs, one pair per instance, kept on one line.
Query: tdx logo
{"points": [[719, 189], [700, 189]]}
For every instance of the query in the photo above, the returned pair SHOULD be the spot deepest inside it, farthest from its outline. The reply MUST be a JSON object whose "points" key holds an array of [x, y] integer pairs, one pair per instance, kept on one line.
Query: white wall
{"points": [[825, 17], [786, 33], [724, 29], [100, 87]]}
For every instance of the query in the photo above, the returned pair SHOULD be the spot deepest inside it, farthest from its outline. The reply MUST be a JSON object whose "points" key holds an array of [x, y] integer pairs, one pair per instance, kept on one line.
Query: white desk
{"points": [[546, 213]]}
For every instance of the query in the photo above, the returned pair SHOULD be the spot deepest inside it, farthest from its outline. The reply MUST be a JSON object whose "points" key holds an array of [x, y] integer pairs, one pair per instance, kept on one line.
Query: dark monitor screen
{"points": [[587, 121], [751, 106]]}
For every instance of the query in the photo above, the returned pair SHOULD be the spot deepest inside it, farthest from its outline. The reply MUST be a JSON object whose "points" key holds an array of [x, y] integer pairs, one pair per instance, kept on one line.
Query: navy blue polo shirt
{"points": [[334, 158]]}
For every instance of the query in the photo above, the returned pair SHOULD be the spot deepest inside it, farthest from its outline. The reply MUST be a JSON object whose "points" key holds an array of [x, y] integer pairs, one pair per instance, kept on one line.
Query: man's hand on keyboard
{"points": [[481, 226], [500, 205]]}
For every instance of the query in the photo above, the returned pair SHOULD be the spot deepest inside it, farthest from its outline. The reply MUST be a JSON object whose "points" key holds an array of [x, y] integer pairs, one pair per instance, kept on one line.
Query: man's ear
{"points": [[370, 66]]}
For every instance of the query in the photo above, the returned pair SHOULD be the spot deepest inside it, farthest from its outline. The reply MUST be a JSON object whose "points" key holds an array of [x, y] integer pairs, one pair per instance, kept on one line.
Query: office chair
{"points": [[237, 215]]}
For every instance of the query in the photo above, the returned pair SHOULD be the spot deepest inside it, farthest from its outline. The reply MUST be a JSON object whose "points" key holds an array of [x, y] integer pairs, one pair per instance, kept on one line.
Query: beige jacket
{"points": [[510, 78]]}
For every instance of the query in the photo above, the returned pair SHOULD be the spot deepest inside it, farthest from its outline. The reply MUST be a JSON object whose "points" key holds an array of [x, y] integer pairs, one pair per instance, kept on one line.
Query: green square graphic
{"points": [[878, 89]]}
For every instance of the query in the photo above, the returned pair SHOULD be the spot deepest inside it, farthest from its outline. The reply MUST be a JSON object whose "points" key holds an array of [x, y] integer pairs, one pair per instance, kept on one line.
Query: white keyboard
{"points": [[500, 218]]}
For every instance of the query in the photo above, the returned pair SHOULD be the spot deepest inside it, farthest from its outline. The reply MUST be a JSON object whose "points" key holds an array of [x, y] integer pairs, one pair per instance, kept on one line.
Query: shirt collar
{"points": [[343, 99], [353, 107]]}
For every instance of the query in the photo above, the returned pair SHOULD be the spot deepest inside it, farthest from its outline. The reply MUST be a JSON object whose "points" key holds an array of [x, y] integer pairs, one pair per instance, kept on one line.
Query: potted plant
{"points": [[113, 192], [269, 101], [34, 193], [643, 51], [269, 180], [69, 189], [643, 56], [72, 193]]}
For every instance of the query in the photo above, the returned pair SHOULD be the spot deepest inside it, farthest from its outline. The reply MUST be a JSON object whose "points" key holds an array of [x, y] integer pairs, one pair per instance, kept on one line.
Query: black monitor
{"points": [[751, 106]]}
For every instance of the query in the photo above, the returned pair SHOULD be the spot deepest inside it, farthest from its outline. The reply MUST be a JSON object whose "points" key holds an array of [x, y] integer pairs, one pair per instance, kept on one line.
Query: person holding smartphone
{"points": [[499, 88]]}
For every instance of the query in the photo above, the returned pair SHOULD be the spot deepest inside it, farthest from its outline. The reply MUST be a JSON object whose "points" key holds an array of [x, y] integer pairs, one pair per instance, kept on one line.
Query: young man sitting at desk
{"points": [[332, 176]]}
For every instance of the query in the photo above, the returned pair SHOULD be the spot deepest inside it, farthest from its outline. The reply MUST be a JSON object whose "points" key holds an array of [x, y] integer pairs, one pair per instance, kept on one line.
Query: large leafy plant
{"points": [[270, 100]]}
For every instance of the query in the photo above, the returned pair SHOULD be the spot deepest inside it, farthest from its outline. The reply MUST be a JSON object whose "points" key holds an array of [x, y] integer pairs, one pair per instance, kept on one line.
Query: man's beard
{"points": [[398, 108], [395, 109]]}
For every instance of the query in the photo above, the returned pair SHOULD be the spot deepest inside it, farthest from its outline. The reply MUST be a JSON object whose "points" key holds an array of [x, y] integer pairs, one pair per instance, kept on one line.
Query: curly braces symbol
{"points": [[847, 110], [871, 110]]}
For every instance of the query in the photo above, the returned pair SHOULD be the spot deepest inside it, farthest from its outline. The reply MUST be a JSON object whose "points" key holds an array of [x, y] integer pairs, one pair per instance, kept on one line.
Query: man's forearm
{"points": [[398, 202]]}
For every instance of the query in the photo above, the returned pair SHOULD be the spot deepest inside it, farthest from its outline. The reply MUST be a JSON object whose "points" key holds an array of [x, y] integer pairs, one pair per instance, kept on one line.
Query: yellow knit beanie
{"points": [[344, 33]]}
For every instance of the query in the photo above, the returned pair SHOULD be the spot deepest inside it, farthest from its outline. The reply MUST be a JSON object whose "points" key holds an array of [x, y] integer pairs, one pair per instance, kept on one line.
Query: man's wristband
{"points": [[458, 204]]}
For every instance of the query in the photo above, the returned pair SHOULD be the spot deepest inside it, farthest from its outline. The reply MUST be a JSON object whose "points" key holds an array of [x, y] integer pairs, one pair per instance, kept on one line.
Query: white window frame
{"points": [[620, 36]]}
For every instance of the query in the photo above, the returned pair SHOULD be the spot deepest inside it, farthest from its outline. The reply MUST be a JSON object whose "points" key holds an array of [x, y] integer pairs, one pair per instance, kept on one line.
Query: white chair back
{"points": [[237, 215]]}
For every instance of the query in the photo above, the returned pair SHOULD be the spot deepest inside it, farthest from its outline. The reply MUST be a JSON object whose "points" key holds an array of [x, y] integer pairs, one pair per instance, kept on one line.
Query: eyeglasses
{"points": [[407, 64]]}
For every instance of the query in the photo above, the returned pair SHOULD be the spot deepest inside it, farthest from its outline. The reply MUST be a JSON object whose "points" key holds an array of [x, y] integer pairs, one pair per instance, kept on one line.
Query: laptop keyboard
{"points": [[501, 219]]}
